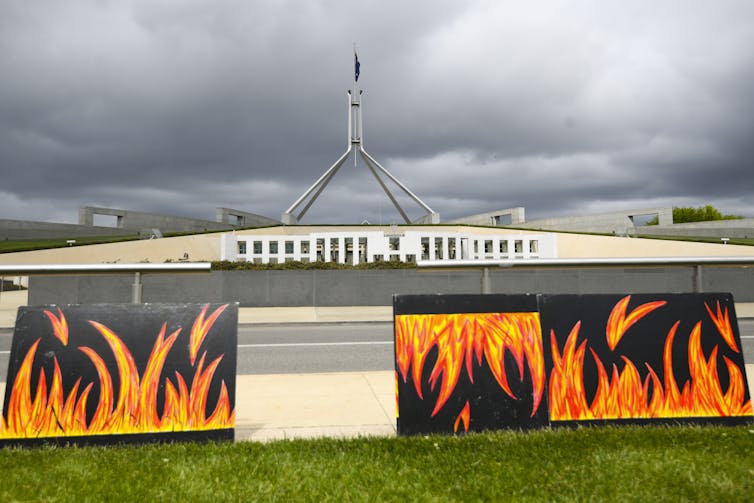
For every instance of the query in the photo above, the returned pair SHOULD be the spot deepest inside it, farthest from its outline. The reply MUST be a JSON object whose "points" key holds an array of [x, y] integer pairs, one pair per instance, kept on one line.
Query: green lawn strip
{"points": [[602, 464], [44, 244]]}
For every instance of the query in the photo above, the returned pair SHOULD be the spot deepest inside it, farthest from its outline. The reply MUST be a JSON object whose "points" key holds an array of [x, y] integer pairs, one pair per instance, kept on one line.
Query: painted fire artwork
{"points": [[469, 371], [117, 369], [644, 357], [566, 359]]}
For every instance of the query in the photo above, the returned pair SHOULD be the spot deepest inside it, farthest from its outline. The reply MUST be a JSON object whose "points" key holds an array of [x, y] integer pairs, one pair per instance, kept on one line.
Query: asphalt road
{"points": [[337, 347]]}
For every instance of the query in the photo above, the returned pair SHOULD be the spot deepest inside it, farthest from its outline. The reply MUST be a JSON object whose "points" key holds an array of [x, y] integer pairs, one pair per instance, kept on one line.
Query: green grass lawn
{"points": [[589, 464], [44, 244]]}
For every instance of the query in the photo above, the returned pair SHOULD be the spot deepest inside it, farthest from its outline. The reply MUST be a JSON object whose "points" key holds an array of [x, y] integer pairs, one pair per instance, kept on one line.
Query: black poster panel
{"points": [[112, 373], [468, 363], [643, 358]]}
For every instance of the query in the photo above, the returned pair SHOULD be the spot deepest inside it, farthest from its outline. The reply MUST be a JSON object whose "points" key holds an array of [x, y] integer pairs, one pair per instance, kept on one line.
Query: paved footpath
{"points": [[287, 406]]}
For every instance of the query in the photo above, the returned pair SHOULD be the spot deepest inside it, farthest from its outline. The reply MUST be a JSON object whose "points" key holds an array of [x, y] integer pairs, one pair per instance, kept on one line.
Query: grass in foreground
{"points": [[603, 464]]}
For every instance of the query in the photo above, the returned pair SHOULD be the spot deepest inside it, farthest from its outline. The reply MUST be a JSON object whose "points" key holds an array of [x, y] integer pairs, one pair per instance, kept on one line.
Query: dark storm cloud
{"points": [[561, 107]]}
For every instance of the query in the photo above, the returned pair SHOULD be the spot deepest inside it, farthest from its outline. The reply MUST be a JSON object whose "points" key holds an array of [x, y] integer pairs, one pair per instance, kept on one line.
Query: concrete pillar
{"points": [[486, 281], [136, 289]]}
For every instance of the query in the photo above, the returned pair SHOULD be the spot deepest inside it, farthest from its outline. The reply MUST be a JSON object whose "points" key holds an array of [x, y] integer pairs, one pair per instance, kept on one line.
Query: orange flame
{"points": [[53, 414], [461, 338], [463, 416], [722, 322], [624, 394], [200, 329], [618, 323], [59, 325]]}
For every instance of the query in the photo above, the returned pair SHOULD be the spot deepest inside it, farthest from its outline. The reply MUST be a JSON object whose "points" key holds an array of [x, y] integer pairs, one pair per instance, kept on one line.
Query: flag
{"points": [[357, 67]]}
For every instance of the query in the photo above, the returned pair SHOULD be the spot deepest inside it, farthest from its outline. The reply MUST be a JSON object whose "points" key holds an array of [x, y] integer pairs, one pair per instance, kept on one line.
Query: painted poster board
{"points": [[485, 362], [468, 363], [116, 373]]}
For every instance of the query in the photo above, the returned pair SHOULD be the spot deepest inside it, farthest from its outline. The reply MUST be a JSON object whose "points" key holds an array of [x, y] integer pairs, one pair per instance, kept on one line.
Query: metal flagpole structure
{"points": [[356, 143]]}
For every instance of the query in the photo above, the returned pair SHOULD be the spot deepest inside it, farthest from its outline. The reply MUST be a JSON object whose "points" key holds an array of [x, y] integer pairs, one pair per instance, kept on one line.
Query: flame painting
{"points": [[671, 357], [469, 371], [165, 369], [475, 362]]}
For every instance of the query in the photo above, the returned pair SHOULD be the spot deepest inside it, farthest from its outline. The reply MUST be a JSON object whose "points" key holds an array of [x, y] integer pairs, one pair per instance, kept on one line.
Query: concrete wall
{"points": [[511, 216], [376, 287], [619, 222], [739, 228], [137, 220], [17, 230], [238, 218]]}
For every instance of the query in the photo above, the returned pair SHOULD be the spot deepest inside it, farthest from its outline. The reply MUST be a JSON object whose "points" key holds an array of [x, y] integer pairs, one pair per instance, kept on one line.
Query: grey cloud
{"points": [[562, 107]]}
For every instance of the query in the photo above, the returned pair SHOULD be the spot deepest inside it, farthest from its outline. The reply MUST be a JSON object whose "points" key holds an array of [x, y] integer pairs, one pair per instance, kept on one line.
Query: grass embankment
{"points": [[44, 244], [600, 464]]}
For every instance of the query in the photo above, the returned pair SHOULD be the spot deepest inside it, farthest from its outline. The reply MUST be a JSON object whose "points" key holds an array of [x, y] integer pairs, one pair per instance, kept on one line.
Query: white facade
{"points": [[355, 247]]}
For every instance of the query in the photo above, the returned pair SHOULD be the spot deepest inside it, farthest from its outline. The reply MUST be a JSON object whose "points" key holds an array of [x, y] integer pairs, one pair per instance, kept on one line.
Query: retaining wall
{"points": [[376, 287]]}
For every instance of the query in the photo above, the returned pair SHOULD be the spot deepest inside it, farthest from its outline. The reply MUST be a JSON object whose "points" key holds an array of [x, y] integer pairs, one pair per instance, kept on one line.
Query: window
{"points": [[518, 246], [289, 247], [451, 248], [242, 247], [425, 248], [534, 246], [273, 247], [305, 247], [258, 247], [334, 250], [504, 247], [320, 250], [488, 246], [362, 249], [438, 248], [394, 243]]}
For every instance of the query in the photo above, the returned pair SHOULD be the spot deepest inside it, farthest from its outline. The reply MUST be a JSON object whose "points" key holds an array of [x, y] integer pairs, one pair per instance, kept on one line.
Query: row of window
{"points": [[438, 248]]}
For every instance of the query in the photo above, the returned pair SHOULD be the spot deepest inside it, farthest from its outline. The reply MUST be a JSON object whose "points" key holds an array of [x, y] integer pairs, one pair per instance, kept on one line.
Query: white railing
{"points": [[137, 269], [486, 265]]}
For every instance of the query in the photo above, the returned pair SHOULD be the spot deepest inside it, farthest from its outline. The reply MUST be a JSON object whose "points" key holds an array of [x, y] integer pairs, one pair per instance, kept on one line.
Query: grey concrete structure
{"points": [[17, 230], [238, 218], [128, 223], [620, 223], [739, 228], [511, 216], [144, 222], [376, 287]]}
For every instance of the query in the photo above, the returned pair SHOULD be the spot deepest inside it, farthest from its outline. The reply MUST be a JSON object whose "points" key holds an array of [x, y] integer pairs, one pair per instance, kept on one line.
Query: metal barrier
{"points": [[486, 265], [137, 270]]}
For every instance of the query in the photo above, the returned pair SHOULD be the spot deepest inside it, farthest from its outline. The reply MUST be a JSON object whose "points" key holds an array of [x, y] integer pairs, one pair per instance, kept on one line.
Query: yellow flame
{"points": [[461, 338], [624, 394], [463, 417], [59, 325], [618, 323], [721, 319]]}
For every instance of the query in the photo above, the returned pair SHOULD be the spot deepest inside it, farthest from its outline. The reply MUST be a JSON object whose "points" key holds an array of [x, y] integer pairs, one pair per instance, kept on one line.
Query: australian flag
{"points": [[357, 67]]}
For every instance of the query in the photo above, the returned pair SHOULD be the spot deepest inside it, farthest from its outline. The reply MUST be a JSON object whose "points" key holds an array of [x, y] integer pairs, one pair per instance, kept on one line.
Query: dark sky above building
{"points": [[565, 107]]}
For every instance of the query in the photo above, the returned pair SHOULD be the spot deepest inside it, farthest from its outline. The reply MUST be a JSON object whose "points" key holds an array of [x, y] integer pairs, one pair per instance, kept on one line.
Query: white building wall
{"points": [[345, 247]]}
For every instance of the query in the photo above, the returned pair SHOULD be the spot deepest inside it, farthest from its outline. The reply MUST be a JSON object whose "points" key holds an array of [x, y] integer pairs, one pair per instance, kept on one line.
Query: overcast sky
{"points": [[564, 107]]}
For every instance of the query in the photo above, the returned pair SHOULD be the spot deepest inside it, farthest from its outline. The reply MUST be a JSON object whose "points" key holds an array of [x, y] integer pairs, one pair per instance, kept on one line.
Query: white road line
{"points": [[309, 344]]}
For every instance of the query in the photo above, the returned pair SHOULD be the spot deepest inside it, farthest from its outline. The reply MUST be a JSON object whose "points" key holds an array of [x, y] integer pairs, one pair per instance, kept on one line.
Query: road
{"points": [[337, 347]]}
